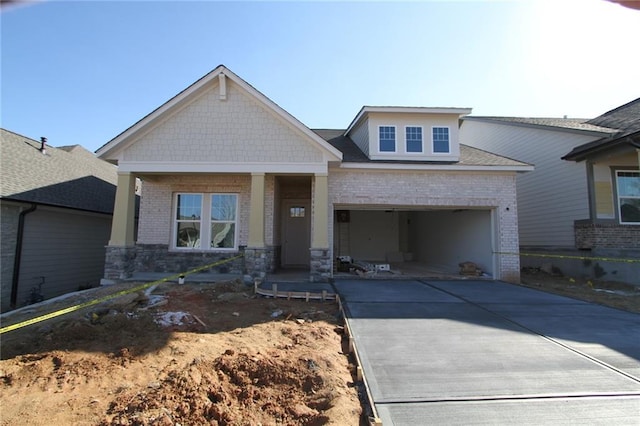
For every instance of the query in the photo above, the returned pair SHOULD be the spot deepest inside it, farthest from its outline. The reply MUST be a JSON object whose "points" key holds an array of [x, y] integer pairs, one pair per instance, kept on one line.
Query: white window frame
{"points": [[406, 140], [618, 196], [433, 142], [395, 139], [206, 222]]}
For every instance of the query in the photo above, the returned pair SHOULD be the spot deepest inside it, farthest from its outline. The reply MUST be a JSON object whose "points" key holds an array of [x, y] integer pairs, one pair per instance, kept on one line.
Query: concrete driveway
{"points": [[485, 352]]}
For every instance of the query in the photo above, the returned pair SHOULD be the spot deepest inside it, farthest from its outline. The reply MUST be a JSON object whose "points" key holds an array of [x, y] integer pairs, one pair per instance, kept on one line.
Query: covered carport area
{"points": [[417, 240]]}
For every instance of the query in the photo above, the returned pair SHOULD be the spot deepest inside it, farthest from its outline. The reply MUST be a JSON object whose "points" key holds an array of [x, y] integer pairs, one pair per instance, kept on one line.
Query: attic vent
{"points": [[43, 145], [223, 86]]}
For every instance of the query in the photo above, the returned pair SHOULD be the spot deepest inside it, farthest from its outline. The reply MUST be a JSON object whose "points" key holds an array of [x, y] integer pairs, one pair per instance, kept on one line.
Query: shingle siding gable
{"points": [[237, 129]]}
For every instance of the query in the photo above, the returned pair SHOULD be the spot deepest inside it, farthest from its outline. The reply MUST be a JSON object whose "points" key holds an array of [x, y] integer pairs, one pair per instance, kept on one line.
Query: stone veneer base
{"points": [[122, 262]]}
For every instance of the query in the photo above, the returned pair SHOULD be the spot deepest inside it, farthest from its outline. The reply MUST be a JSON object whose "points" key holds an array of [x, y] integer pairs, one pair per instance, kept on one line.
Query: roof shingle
{"points": [[69, 176], [469, 156]]}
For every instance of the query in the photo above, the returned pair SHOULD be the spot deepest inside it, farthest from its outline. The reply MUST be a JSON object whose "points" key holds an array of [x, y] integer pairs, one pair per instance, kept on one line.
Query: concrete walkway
{"points": [[485, 352]]}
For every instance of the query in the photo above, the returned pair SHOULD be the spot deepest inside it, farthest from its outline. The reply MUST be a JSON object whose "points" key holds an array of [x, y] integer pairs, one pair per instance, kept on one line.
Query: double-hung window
{"points": [[206, 221], [441, 140], [387, 138], [628, 184], [413, 136]]}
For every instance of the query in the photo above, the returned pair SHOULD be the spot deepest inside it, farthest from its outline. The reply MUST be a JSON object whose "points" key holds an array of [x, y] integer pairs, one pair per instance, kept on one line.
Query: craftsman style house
{"points": [[225, 171]]}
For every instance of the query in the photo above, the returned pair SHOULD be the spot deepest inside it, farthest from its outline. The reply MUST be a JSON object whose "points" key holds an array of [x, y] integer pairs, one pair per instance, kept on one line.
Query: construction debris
{"points": [[470, 269]]}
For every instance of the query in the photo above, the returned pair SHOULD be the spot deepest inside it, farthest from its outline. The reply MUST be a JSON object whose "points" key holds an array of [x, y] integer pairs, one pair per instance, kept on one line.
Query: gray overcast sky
{"points": [[82, 72]]}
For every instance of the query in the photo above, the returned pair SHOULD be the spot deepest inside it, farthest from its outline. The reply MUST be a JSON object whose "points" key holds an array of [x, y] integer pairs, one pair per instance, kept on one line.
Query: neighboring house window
{"points": [[220, 213], [628, 184], [414, 139], [441, 139], [387, 138]]}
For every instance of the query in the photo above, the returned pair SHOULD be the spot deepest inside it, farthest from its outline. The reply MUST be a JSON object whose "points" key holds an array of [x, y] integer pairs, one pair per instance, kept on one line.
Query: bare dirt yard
{"points": [[201, 354], [608, 293], [206, 354]]}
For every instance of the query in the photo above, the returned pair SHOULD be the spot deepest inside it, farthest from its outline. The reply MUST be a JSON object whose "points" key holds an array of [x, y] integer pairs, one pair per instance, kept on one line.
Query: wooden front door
{"points": [[296, 228]]}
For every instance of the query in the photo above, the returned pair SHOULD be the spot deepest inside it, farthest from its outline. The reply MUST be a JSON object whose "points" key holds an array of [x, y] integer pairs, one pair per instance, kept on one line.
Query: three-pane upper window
{"points": [[206, 217], [628, 184], [413, 138], [387, 138], [441, 140]]}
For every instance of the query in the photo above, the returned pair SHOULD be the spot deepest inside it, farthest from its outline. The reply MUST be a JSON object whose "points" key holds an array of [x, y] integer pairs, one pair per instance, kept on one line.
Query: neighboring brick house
{"points": [[225, 170], [56, 210], [572, 208]]}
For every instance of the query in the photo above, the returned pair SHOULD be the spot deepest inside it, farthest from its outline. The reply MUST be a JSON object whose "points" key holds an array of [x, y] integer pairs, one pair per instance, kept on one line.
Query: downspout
{"points": [[18, 255]]}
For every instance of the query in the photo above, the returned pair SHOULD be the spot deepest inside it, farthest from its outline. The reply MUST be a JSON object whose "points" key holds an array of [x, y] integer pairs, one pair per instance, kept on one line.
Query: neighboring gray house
{"points": [[559, 195], [613, 180], [56, 208]]}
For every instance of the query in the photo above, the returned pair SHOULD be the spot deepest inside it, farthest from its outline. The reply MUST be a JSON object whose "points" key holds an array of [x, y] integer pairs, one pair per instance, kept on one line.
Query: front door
{"points": [[296, 228]]}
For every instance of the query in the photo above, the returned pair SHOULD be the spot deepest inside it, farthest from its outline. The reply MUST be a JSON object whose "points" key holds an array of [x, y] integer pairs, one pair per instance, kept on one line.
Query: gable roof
{"points": [[578, 125], [469, 156], [625, 119], [69, 176], [109, 149], [365, 110]]}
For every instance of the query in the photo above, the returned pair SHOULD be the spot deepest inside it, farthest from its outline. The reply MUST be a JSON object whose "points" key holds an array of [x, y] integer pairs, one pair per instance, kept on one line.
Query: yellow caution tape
{"points": [[562, 256], [111, 296]]}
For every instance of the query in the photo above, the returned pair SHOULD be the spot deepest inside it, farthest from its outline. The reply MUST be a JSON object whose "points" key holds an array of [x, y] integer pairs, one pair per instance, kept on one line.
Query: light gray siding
{"points": [[553, 196], [67, 248], [360, 135]]}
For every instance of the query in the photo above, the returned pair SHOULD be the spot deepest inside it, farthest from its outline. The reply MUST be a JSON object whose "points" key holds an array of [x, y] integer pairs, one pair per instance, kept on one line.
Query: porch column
{"points": [[320, 237], [320, 254], [256, 211], [122, 225]]}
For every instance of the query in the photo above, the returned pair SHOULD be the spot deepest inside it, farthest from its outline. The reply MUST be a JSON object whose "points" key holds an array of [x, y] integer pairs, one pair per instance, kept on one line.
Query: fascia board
{"points": [[436, 167], [169, 167], [594, 133]]}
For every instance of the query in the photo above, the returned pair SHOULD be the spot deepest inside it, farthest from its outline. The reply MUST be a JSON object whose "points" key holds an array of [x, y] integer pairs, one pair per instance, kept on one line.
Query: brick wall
{"points": [[591, 235], [437, 189], [156, 214], [153, 252]]}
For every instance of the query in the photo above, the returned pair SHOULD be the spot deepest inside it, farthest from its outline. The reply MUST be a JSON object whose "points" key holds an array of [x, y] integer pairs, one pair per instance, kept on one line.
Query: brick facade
{"points": [[495, 191], [590, 235]]}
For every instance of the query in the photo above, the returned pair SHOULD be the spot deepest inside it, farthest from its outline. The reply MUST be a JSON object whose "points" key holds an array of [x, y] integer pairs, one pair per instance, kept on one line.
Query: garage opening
{"points": [[414, 242]]}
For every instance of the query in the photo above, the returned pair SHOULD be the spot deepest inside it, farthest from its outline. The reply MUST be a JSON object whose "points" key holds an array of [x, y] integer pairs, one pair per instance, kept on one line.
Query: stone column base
{"points": [[259, 261], [119, 264], [320, 264]]}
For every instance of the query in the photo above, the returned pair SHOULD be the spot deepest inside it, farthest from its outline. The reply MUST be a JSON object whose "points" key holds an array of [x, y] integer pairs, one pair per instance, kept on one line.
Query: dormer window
{"points": [[387, 138], [441, 140], [413, 136]]}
